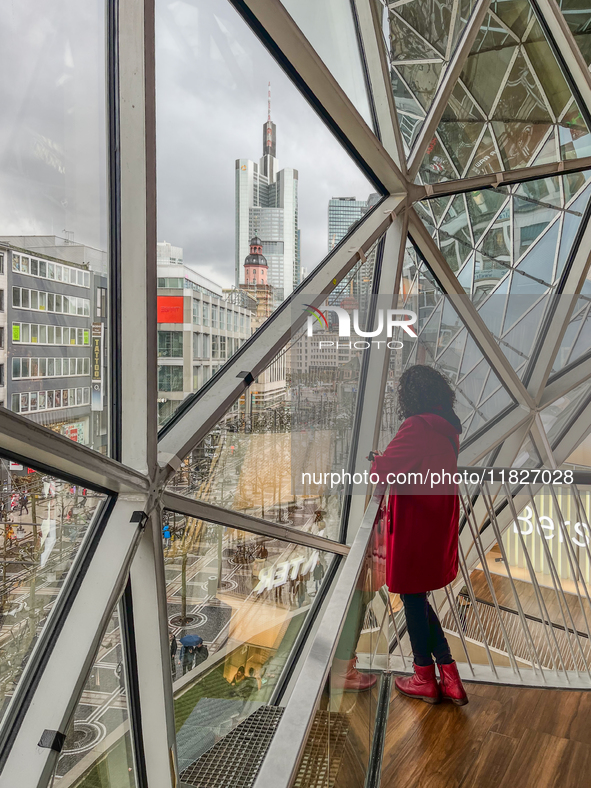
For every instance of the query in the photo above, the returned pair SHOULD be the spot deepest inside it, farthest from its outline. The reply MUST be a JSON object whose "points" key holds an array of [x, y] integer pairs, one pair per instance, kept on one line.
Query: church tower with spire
{"points": [[267, 208]]}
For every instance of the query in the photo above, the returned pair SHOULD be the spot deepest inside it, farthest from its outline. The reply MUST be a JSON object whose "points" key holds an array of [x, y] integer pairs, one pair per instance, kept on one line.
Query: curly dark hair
{"points": [[423, 389]]}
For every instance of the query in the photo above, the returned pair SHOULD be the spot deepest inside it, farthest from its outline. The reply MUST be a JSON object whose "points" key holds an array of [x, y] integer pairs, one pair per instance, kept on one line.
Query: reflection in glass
{"points": [[340, 741], [236, 602], [512, 106], [43, 522], [53, 233], [97, 752], [296, 417], [421, 37]]}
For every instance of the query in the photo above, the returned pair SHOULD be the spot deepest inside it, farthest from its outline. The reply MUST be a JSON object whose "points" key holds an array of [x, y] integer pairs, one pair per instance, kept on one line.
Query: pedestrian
{"points": [[174, 647], [23, 502], [239, 676], [188, 657], [318, 575], [201, 652], [422, 553]]}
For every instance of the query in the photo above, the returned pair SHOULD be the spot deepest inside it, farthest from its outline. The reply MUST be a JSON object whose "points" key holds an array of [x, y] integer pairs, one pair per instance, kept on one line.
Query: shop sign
{"points": [[74, 431], [96, 389], [547, 528], [170, 309], [273, 576]]}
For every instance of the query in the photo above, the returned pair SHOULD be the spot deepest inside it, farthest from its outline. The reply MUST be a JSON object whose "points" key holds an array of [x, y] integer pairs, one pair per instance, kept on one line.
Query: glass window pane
{"points": [[97, 752], [54, 154], [284, 426], [279, 186], [246, 598], [43, 523]]}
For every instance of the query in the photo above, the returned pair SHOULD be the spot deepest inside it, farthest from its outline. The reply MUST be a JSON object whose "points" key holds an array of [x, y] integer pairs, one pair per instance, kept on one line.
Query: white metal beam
{"points": [[271, 21], [372, 397], [565, 383], [445, 89], [494, 435], [370, 28], [25, 440], [137, 133], [245, 522], [152, 652], [215, 399], [476, 182]]}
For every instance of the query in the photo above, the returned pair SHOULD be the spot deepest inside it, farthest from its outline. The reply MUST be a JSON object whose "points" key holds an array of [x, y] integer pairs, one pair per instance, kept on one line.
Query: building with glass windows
{"points": [[196, 562], [267, 206], [343, 212], [198, 329]]}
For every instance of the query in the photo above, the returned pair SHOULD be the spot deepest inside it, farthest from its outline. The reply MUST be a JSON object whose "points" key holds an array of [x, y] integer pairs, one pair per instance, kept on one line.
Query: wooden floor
{"points": [[504, 738]]}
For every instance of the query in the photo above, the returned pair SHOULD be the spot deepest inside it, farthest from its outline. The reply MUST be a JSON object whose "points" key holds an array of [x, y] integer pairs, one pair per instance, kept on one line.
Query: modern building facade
{"points": [[267, 206], [198, 331], [55, 316], [343, 212]]}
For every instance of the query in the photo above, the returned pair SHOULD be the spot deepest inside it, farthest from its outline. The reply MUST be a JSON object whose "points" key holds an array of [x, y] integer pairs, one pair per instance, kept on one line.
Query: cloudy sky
{"points": [[212, 76]]}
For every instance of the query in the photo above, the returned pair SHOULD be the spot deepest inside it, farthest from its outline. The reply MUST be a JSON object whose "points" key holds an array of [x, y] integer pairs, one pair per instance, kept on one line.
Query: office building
{"points": [[198, 330], [267, 206]]}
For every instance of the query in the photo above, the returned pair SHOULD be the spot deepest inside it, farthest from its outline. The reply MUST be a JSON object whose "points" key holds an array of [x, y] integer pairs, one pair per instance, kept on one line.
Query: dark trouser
{"points": [[424, 631]]}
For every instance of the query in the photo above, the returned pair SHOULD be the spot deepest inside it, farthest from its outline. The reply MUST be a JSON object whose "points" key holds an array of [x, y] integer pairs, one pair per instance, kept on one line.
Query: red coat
{"points": [[422, 538]]}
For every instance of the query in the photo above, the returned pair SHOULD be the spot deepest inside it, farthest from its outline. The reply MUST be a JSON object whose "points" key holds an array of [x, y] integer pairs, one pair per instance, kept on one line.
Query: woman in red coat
{"points": [[423, 514]]}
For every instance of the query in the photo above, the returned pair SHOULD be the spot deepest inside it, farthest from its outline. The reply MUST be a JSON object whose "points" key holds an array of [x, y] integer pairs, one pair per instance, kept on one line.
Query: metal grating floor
{"points": [[235, 760]]}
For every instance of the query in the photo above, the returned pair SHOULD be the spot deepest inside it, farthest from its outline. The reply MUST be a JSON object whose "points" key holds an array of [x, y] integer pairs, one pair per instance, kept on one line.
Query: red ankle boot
{"points": [[451, 684], [345, 676], [422, 685]]}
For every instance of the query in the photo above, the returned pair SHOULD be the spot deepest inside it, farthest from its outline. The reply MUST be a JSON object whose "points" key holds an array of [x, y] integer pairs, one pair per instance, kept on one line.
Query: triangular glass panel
{"points": [[421, 39], [495, 405], [483, 205], [471, 385], [579, 322], [573, 217], [582, 346], [486, 159], [471, 356], [277, 194], [460, 128], [449, 361], [466, 274], [518, 344], [450, 323], [518, 305], [535, 271], [330, 28], [535, 206], [558, 416], [492, 384], [277, 429], [528, 456], [518, 83]]}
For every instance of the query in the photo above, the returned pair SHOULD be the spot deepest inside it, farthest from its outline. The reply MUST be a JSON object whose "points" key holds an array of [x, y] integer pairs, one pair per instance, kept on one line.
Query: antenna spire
{"points": [[269, 103]]}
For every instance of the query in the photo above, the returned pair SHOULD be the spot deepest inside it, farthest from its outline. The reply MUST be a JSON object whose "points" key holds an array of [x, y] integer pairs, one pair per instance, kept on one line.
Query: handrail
{"points": [[529, 616], [281, 763]]}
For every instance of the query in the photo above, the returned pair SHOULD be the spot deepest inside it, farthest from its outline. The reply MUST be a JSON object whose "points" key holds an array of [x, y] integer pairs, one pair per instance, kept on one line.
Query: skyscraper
{"points": [[342, 213], [267, 206]]}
